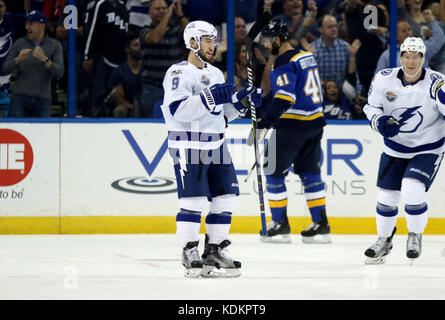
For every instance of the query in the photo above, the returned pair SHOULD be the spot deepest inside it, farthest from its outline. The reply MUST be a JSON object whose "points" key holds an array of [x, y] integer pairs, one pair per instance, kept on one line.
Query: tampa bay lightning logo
{"points": [[5, 44], [409, 118]]}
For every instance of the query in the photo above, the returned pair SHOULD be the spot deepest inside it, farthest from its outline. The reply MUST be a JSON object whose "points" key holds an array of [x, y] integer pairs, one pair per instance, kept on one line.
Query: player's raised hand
{"points": [[217, 94], [387, 125], [428, 15]]}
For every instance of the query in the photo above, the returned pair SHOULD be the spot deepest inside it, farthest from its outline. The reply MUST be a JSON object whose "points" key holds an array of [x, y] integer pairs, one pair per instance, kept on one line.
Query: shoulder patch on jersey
{"points": [[435, 76], [183, 63], [176, 72], [205, 80], [386, 72], [390, 96]]}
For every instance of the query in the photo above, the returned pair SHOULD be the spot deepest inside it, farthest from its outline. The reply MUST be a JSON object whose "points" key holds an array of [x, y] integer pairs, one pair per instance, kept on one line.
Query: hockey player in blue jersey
{"points": [[197, 106], [296, 112], [406, 106]]}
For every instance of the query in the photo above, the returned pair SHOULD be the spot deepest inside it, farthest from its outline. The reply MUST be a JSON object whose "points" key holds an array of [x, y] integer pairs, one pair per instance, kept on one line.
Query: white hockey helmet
{"points": [[196, 30], [413, 44]]}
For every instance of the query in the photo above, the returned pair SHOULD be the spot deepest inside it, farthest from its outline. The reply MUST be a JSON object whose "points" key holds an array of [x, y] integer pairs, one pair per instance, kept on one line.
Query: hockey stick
{"points": [[254, 31], [261, 138]]}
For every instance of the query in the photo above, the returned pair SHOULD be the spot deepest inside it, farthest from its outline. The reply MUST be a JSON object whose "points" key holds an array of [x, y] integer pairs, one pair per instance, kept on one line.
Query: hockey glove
{"points": [[263, 120], [386, 125], [240, 99], [217, 94]]}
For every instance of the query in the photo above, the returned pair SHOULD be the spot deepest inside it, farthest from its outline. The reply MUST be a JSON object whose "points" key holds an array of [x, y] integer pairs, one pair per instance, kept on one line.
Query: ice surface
{"points": [[147, 266]]}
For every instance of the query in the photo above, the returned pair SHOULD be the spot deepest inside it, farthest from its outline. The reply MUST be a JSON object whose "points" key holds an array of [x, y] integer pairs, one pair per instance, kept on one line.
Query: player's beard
{"points": [[275, 48], [202, 56]]}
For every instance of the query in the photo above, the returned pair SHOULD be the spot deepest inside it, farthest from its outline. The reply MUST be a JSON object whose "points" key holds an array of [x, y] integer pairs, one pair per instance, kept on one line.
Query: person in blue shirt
{"points": [[125, 80], [296, 112]]}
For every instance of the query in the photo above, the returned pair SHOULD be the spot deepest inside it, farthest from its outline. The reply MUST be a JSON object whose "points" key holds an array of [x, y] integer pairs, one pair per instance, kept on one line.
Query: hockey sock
{"points": [[277, 195], [218, 226], [416, 217], [314, 190], [386, 220], [188, 223], [219, 219], [414, 196], [188, 219]]}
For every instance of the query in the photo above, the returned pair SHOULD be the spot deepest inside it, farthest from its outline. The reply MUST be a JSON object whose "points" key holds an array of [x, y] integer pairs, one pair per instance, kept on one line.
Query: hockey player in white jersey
{"points": [[197, 106], [406, 106]]}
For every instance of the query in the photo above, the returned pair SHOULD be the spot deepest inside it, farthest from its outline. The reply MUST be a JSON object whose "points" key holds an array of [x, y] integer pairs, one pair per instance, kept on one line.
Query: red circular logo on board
{"points": [[16, 157]]}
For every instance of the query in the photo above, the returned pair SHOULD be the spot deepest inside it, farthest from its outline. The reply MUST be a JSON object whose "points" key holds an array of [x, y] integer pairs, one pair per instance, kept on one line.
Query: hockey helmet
{"points": [[413, 44], [276, 28], [196, 30]]}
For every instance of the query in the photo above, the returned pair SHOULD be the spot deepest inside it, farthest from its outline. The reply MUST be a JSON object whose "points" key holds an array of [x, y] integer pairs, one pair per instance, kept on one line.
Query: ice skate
{"points": [[277, 232], [318, 232], [191, 260], [217, 263], [376, 254], [413, 246]]}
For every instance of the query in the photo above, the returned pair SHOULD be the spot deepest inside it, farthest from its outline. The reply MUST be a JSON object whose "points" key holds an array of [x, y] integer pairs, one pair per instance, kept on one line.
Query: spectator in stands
{"points": [[241, 67], [433, 44], [411, 11], [106, 30], [162, 45], [7, 34], [371, 45], [37, 58], [335, 57], [438, 61], [298, 25], [126, 81], [335, 104], [239, 35]]}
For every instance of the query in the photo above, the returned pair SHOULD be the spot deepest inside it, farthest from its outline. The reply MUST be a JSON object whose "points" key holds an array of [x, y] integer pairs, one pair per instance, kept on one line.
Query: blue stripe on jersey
{"points": [[174, 106], [194, 136], [404, 149]]}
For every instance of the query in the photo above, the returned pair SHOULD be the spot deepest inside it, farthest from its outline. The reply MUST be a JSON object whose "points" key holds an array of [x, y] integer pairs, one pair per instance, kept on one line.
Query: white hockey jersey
{"points": [[421, 119], [190, 124]]}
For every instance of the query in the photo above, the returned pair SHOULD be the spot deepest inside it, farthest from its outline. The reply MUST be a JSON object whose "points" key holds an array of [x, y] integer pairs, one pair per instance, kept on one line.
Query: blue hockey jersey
{"points": [[295, 79]]}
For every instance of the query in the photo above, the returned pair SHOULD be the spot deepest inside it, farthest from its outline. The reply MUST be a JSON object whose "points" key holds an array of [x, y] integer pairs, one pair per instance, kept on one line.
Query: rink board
{"points": [[102, 176]]}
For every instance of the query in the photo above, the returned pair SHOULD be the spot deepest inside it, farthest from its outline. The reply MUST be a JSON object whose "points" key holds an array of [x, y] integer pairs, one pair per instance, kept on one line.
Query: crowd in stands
{"points": [[123, 49]]}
